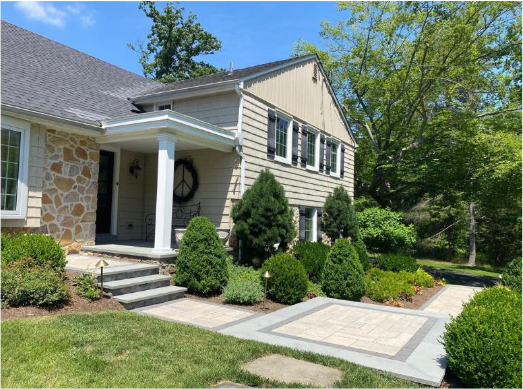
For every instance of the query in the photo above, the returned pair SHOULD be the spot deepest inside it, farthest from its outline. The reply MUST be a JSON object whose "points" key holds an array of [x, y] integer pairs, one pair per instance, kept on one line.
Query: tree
{"points": [[338, 219], [173, 43], [263, 220]]}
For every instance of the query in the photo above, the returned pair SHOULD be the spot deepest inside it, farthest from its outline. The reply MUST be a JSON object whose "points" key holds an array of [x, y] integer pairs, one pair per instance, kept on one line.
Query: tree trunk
{"points": [[472, 236]]}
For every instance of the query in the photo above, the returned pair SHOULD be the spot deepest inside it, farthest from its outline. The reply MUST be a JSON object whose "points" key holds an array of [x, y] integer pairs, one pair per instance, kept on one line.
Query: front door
{"points": [[105, 192]]}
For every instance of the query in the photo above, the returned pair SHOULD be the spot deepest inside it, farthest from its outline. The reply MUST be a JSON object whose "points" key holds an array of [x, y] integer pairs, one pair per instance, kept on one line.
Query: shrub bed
{"points": [[201, 265], [511, 277], [26, 283], [312, 255], [397, 262], [87, 286], [343, 275], [42, 249], [484, 341], [244, 286], [288, 283], [382, 285], [361, 249]]}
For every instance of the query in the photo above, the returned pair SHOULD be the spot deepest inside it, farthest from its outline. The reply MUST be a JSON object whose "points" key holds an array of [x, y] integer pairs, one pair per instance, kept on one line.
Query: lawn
{"points": [[487, 271], [123, 349]]}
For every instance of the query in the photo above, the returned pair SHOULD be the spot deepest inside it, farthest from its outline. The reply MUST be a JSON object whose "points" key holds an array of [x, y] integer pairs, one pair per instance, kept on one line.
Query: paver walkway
{"points": [[450, 299]]}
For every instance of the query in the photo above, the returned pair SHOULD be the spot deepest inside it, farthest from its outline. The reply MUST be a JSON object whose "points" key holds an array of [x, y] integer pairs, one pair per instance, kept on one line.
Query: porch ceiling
{"points": [[150, 145]]}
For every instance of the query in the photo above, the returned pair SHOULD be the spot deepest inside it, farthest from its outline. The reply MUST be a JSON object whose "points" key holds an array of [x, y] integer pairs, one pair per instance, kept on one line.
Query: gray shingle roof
{"points": [[45, 76]]}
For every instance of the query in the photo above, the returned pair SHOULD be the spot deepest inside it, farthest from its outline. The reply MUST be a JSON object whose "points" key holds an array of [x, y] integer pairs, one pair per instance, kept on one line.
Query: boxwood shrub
{"points": [[511, 277], [343, 275], [244, 286], [312, 255], [288, 283], [397, 262], [42, 249], [483, 342], [201, 265], [26, 283]]}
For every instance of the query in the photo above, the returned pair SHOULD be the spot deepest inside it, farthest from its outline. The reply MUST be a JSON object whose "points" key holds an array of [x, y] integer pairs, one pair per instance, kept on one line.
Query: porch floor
{"points": [[135, 249]]}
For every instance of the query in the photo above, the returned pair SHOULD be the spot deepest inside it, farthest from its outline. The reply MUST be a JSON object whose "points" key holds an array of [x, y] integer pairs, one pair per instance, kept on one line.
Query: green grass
{"points": [[487, 271], [123, 349]]}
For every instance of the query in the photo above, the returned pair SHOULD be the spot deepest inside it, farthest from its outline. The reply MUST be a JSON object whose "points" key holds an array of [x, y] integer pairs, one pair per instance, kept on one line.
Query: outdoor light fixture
{"points": [[101, 264], [135, 168], [266, 276]]}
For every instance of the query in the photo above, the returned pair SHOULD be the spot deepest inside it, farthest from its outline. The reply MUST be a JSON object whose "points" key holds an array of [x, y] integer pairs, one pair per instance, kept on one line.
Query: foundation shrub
{"points": [[312, 255], [288, 283]]}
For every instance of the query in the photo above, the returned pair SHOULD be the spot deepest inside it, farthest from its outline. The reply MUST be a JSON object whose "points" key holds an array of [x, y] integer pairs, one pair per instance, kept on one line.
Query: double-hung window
{"points": [[14, 161], [335, 159], [311, 230], [313, 148], [283, 138]]}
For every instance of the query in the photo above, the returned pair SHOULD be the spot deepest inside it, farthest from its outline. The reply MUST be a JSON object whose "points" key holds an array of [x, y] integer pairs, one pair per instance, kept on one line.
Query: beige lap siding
{"points": [[302, 186], [219, 183], [70, 187]]}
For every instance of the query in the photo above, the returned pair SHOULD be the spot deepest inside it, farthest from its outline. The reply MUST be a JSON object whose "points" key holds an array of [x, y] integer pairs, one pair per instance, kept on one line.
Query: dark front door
{"points": [[105, 192]]}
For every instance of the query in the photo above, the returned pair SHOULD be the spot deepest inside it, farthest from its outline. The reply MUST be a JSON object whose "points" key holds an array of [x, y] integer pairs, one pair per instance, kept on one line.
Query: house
{"points": [[92, 153]]}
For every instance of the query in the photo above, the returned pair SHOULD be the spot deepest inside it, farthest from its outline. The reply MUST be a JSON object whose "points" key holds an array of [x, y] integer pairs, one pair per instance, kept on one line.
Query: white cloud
{"points": [[42, 12], [47, 13]]}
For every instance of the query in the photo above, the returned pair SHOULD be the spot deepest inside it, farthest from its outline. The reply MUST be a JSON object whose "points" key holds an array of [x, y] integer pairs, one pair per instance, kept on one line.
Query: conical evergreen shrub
{"points": [[339, 216]]}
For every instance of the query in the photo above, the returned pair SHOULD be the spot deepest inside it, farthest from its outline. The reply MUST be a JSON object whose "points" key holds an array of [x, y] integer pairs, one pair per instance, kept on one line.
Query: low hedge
{"points": [[244, 286], [511, 277], [288, 283], [26, 283], [312, 255], [483, 342], [397, 262], [42, 249], [383, 285]]}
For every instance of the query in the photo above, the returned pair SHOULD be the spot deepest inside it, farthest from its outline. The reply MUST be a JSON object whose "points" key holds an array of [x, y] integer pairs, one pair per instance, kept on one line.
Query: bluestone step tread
{"points": [[147, 294], [135, 281], [126, 268]]}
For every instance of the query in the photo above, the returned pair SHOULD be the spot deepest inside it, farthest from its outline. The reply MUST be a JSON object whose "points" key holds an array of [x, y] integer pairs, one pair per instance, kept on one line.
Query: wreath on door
{"points": [[184, 190]]}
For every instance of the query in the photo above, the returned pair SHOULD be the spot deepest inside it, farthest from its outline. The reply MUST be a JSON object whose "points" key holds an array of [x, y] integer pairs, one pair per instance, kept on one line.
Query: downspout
{"points": [[239, 149]]}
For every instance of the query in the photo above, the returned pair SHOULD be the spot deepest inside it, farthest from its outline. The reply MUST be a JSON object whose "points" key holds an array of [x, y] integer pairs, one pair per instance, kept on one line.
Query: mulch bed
{"points": [[416, 302], [75, 304]]}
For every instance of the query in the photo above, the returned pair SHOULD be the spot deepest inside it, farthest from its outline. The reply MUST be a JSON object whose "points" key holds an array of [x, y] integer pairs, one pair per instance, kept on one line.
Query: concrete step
{"points": [[115, 273], [150, 297], [136, 284]]}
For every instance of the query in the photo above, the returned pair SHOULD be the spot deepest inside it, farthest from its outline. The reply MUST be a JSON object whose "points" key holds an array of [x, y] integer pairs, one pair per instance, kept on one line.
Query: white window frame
{"points": [[288, 158], [314, 236], [158, 105], [337, 144], [316, 166], [24, 128]]}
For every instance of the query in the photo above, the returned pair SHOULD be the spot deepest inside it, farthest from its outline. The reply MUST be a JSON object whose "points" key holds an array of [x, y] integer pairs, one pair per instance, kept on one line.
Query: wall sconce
{"points": [[135, 168]]}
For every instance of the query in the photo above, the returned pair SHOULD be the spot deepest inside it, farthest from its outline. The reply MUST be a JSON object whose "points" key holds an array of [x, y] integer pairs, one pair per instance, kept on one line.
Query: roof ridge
{"points": [[81, 52]]}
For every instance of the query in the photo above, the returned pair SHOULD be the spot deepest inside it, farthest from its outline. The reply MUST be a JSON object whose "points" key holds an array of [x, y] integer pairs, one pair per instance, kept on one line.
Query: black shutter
{"points": [[271, 134], [295, 140], [302, 222], [318, 227], [342, 161], [322, 152], [304, 146], [329, 150]]}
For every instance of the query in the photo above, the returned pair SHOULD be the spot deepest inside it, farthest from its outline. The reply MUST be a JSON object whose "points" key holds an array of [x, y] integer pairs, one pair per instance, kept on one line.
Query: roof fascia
{"points": [[279, 67]]}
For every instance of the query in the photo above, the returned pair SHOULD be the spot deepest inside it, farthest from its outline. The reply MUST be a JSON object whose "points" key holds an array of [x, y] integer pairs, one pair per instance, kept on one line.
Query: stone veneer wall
{"points": [[70, 187]]}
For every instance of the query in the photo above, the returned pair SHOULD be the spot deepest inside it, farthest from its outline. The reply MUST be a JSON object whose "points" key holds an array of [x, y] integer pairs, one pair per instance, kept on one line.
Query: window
{"points": [[283, 138], [163, 107], [313, 148], [335, 159], [14, 163], [310, 224]]}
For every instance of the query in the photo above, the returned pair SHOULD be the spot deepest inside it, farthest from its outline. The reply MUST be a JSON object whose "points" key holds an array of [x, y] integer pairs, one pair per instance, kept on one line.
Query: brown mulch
{"points": [[74, 304], [271, 306], [416, 302]]}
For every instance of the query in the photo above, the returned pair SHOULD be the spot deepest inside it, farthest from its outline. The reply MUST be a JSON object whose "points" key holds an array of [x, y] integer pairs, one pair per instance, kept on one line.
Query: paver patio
{"points": [[450, 299], [83, 262]]}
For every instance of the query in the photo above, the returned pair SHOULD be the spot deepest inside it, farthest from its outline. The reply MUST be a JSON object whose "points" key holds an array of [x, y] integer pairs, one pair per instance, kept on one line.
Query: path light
{"points": [[266, 276], [101, 264], [500, 278]]}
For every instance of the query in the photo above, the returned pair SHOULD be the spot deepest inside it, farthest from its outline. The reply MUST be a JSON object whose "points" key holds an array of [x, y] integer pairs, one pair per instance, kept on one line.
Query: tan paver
{"points": [[198, 313], [451, 301], [365, 329], [82, 262]]}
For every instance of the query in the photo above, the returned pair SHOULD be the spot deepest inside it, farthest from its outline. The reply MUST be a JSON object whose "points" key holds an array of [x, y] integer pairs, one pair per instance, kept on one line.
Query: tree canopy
{"points": [[173, 44]]}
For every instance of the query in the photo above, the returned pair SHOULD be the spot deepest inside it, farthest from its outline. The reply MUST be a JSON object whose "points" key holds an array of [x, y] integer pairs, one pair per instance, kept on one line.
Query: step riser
{"points": [[153, 300], [138, 288], [129, 274]]}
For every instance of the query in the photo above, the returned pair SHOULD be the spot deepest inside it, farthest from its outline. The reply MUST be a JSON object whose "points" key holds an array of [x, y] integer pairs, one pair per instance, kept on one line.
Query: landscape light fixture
{"points": [[101, 264], [266, 276]]}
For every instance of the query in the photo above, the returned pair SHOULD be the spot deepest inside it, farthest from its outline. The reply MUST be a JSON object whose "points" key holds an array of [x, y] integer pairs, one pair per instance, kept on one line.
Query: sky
{"points": [[251, 32]]}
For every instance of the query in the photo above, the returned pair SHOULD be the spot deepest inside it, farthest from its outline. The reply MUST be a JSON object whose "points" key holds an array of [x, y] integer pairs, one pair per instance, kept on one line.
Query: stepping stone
{"points": [[290, 370], [229, 384]]}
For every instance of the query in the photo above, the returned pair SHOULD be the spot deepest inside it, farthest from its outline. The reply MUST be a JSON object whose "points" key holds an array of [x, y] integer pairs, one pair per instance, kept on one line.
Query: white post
{"points": [[164, 194]]}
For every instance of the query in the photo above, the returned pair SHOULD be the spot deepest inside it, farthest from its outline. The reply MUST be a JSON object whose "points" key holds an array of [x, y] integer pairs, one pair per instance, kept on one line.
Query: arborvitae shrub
{"points": [[343, 275], [263, 220], [312, 255], [201, 265], [288, 283], [339, 219]]}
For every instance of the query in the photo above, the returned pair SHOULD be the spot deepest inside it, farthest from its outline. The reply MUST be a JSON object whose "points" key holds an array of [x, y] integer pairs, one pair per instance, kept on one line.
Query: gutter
{"points": [[239, 137]]}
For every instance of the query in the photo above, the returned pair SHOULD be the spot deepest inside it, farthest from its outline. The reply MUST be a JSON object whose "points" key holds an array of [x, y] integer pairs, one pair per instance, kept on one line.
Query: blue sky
{"points": [[251, 32]]}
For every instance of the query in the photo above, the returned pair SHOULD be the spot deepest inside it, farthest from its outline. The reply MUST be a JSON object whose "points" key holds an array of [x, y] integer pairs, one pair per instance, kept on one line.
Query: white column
{"points": [[164, 194]]}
